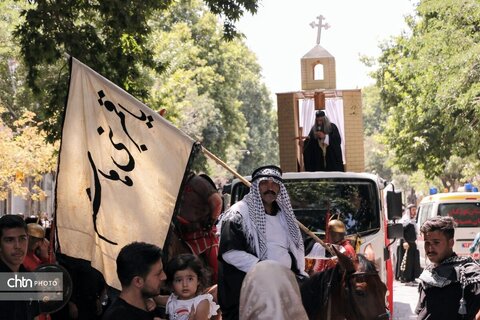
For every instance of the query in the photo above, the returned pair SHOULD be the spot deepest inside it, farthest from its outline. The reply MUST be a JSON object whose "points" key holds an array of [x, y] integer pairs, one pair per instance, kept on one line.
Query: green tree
{"points": [[208, 85], [262, 143], [373, 117], [429, 80], [377, 157], [15, 97], [24, 158], [457, 170], [110, 36], [212, 89]]}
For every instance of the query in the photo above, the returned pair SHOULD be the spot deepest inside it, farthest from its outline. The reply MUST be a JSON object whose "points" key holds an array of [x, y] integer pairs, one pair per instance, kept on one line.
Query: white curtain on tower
{"points": [[306, 115], [334, 111]]}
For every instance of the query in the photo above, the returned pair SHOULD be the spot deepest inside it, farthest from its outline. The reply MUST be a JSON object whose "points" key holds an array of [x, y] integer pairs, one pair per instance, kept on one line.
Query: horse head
{"points": [[352, 290], [363, 292]]}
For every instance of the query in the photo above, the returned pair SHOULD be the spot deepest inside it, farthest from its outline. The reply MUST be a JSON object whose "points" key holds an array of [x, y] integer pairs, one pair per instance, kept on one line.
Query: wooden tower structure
{"points": [[318, 83]]}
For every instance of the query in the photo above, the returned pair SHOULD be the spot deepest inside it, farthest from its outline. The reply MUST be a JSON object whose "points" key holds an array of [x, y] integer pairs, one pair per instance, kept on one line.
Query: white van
{"points": [[464, 207], [315, 196]]}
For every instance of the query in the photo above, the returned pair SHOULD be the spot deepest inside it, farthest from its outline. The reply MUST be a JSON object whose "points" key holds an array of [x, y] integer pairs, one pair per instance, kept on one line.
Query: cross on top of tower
{"points": [[320, 25]]}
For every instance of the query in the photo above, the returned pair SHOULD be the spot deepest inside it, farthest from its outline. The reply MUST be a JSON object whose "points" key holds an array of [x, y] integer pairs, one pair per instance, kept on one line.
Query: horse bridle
{"points": [[348, 277]]}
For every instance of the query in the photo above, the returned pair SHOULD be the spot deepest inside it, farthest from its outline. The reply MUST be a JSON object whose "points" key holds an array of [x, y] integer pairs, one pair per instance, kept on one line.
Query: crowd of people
{"points": [[261, 262]]}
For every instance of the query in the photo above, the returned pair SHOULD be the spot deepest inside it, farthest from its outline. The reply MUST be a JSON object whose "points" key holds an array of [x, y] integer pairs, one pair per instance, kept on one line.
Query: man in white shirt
{"points": [[262, 226]]}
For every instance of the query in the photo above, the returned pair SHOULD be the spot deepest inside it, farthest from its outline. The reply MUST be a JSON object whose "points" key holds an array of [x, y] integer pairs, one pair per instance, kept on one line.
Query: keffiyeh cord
{"points": [[464, 270], [450, 270]]}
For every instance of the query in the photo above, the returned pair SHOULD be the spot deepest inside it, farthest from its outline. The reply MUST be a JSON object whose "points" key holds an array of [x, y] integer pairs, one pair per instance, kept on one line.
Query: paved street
{"points": [[404, 301]]}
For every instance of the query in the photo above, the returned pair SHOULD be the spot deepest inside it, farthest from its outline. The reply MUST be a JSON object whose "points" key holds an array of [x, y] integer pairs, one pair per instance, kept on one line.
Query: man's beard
{"points": [[150, 292]]}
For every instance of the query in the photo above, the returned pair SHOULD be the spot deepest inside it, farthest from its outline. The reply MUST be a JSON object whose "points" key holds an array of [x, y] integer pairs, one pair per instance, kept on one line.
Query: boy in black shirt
{"points": [[13, 248]]}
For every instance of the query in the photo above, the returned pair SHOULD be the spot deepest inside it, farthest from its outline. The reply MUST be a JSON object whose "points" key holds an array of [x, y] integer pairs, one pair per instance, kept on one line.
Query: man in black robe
{"points": [[408, 257], [322, 149], [261, 226]]}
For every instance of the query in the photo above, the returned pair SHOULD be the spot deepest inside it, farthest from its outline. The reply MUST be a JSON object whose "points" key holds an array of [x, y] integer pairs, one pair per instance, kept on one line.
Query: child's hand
{"points": [[150, 304]]}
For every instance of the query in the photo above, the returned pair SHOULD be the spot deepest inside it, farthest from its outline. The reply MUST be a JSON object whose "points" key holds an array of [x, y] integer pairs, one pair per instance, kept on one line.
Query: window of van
{"points": [[465, 214], [314, 201], [351, 200], [424, 212]]}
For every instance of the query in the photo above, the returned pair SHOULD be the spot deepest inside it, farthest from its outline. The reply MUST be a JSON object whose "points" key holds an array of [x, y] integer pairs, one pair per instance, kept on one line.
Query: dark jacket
{"points": [[17, 310], [313, 157], [439, 303]]}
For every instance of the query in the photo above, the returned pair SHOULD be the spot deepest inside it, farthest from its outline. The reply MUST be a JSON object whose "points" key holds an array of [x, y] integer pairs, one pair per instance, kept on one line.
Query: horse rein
{"points": [[352, 275]]}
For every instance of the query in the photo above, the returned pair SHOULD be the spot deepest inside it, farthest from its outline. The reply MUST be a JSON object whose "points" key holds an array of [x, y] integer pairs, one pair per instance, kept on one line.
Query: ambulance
{"points": [[464, 207]]}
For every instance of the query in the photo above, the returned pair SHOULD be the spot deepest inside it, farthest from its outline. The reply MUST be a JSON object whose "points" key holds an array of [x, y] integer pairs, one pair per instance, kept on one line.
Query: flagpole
{"points": [[248, 184], [223, 164]]}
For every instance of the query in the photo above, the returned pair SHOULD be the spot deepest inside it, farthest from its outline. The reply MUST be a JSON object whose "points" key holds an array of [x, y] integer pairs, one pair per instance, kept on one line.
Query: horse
{"points": [[351, 290], [175, 245], [199, 206]]}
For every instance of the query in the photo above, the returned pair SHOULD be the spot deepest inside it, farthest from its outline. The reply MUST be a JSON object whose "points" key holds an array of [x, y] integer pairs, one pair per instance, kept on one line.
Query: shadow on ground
{"points": [[403, 311]]}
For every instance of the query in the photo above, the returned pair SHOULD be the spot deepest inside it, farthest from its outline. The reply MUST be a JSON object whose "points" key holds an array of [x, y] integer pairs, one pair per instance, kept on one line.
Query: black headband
{"points": [[267, 172]]}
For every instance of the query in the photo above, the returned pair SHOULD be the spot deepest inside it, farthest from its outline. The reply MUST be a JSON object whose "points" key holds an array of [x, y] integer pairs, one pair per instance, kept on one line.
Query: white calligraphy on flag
{"points": [[120, 170]]}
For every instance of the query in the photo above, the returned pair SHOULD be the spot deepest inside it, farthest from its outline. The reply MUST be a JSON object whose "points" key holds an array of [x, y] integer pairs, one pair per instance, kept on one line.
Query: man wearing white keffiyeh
{"points": [[260, 227], [450, 286]]}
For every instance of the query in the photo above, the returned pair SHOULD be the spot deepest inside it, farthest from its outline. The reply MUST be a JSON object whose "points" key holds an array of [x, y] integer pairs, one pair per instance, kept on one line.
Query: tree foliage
{"points": [[170, 54], [24, 156], [232, 10], [430, 86], [15, 96], [212, 88], [377, 155], [110, 36], [262, 144], [373, 117], [380, 159]]}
